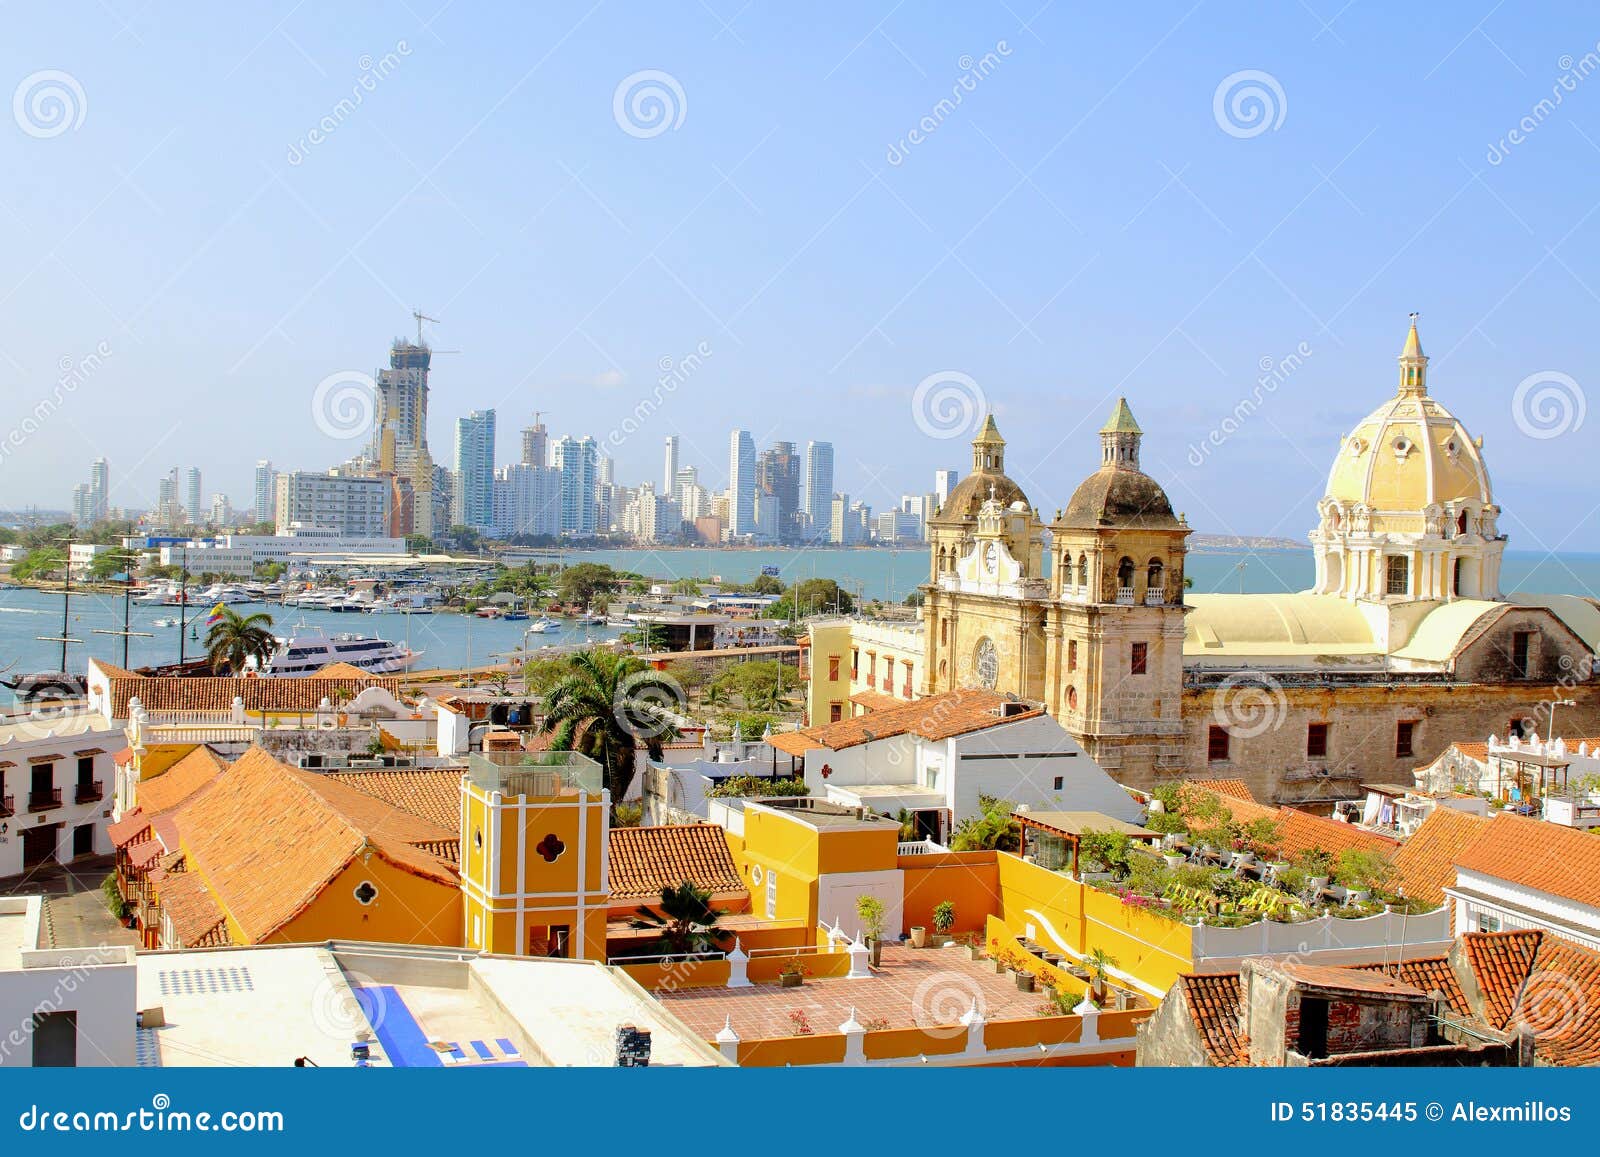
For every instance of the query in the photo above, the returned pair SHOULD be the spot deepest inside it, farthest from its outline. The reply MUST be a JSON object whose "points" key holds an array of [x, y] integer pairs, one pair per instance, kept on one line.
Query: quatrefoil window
{"points": [[550, 848], [366, 892]]}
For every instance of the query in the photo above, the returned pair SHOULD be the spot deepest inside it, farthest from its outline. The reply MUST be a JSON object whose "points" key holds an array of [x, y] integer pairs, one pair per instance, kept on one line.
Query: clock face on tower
{"points": [[986, 664], [991, 557]]}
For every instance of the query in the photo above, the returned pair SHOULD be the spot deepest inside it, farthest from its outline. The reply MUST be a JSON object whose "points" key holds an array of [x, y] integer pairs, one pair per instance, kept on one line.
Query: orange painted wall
{"points": [[912, 1042], [969, 880], [826, 1049], [409, 909]]}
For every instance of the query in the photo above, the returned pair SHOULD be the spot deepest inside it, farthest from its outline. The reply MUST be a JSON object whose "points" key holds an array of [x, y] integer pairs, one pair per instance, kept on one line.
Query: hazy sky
{"points": [[1093, 217]]}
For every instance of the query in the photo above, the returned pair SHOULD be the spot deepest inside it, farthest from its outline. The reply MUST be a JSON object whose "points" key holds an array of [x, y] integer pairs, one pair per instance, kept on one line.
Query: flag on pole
{"points": [[215, 616]]}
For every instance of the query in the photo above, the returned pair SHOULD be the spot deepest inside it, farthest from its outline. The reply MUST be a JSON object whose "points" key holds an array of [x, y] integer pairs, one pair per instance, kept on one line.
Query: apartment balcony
{"points": [[90, 792], [8, 806], [1155, 597], [1125, 597], [39, 801]]}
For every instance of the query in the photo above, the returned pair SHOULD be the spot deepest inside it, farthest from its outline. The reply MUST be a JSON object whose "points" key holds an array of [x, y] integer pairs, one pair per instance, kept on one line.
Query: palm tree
{"points": [[606, 706], [687, 921], [237, 638], [992, 829]]}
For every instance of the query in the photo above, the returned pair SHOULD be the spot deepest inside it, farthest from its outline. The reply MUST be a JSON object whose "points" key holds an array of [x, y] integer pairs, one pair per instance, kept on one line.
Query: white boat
{"points": [[164, 623], [309, 649], [229, 594], [540, 625]]}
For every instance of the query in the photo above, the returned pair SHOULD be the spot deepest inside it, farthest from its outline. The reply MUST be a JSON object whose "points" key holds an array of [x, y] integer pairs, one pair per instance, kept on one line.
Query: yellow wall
{"points": [[1151, 948], [799, 854], [409, 909], [500, 853], [159, 757], [830, 641]]}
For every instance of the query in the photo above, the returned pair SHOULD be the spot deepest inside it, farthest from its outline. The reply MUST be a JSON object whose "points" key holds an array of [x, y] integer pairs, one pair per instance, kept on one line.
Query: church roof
{"points": [[1413, 347], [989, 435], [973, 491], [1121, 420], [1118, 496], [1272, 624]]}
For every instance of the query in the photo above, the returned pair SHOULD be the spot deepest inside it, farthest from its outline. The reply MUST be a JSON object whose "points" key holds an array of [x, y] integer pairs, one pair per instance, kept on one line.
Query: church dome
{"points": [[1409, 454], [988, 479], [1119, 493]]}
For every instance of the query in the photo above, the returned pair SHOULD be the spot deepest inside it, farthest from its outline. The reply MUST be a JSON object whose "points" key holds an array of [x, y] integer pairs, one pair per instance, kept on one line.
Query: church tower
{"points": [[1114, 621]]}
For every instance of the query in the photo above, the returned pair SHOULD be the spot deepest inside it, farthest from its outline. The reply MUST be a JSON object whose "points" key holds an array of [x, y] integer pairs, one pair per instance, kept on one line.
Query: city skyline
{"points": [[1140, 246]]}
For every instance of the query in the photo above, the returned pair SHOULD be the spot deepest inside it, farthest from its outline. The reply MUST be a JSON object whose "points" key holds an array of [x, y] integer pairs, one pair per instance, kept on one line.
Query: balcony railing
{"points": [[1125, 596], [90, 792], [39, 801], [534, 774], [1155, 597], [8, 805]]}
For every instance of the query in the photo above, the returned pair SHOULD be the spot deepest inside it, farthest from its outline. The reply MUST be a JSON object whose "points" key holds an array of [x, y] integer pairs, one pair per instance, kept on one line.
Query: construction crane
{"points": [[422, 317]]}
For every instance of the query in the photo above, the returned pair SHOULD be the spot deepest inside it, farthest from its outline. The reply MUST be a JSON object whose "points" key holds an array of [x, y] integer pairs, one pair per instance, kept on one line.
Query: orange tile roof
{"points": [[1561, 1003], [128, 828], [1236, 788], [217, 692], [434, 794], [1430, 974], [941, 716], [340, 670], [1368, 980], [1300, 831], [1500, 962], [1426, 862], [196, 919], [1213, 1003], [268, 838], [646, 860], [1547, 857], [875, 700], [192, 774]]}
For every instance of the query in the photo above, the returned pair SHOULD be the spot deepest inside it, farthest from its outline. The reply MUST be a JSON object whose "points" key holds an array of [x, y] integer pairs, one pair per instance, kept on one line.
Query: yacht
{"points": [[309, 649], [542, 624]]}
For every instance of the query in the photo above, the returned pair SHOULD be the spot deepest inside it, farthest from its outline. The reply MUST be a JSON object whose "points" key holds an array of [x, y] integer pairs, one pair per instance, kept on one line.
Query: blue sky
{"points": [[1081, 225]]}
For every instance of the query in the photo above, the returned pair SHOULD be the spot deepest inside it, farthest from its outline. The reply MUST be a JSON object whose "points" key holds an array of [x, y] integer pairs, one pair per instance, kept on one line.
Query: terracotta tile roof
{"points": [[1213, 1003], [1430, 974], [942, 716], [340, 670], [1547, 857], [875, 700], [1472, 750], [1300, 831], [434, 794], [123, 757], [1374, 981], [268, 838], [216, 693], [1237, 788], [144, 853], [1561, 1003], [196, 919], [646, 860], [1426, 862], [1500, 962], [190, 775], [128, 828]]}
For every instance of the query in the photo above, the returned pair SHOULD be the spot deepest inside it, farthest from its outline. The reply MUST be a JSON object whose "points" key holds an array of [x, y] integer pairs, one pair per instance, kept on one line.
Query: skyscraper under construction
{"points": [[400, 434]]}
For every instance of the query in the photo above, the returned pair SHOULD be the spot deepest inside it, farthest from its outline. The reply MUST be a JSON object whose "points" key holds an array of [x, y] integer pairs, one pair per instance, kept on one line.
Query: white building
{"points": [[578, 462], [474, 474], [81, 555], [934, 757], [816, 499], [741, 484], [527, 500], [266, 492], [238, 555], [1522, 873], [62, 1007], [56, 778], [350, 506]]}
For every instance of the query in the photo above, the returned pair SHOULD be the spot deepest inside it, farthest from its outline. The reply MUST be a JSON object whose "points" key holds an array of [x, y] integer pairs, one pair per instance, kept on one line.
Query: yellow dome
{"points": [[1410, 453]]}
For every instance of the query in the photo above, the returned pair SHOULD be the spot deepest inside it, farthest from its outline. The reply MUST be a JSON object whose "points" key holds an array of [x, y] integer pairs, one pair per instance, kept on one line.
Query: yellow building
{"points": [[857, 665], [533, 855]]}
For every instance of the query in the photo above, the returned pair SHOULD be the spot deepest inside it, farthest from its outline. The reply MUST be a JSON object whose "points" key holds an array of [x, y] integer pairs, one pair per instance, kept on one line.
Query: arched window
{"points": [[1155, 576], [1125, 572], [1083, 570], [1461, 523]]}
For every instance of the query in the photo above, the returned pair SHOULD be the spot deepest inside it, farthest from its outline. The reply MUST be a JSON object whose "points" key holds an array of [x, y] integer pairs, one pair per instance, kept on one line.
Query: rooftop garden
{"points": [[1230, 872]]}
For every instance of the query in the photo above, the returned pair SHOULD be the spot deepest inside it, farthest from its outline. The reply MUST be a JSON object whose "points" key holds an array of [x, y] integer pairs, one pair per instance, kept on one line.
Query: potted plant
{"points": [[1173, 858], [1025, 980], [1099, 963], [919, 936], [974, 947], [792, 974], [944, 917], [872, 913]]}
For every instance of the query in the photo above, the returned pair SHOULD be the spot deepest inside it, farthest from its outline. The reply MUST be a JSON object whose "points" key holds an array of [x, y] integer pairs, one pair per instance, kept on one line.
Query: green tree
{"points": [[40, 564], [686, 586], [766, 584], [813, 596], [582, 584], [107, 565], [237, 638], [686, 920], [606, 707], [994, 828]]}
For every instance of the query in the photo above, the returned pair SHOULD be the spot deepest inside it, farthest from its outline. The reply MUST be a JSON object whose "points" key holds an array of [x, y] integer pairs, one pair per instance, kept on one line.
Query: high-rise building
{"points": [[474, 474], [944, 481], [266, 492], [778, 483], [669, 470], [349, 506], [741, 484], [400, 427], [527, 500], [578, 462], [818, 497], [80, 505], [168, 513], [535, 443], [191, 495], [99, 490], [221, 510]]}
